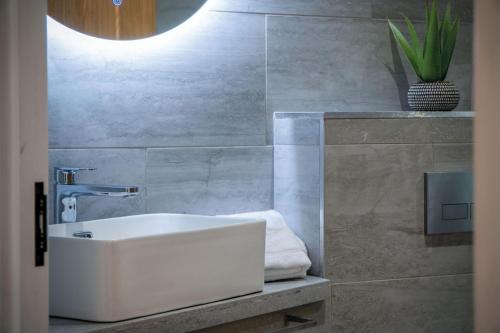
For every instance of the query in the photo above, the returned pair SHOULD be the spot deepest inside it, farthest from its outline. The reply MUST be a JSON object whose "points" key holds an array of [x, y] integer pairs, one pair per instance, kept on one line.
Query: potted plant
{"points": [[431, 61]]}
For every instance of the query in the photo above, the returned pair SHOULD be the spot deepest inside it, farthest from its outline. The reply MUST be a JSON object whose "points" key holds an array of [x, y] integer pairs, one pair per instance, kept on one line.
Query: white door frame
{"points": [[487, 165], [23, 161]]}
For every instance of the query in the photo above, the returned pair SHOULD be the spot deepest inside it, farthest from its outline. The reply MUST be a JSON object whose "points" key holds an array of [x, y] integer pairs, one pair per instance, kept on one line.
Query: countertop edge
{"points": [[276, 296]]}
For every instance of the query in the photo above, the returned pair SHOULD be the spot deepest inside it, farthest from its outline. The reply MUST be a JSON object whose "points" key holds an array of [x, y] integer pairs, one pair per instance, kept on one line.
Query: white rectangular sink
{"points": [[145, 264]]}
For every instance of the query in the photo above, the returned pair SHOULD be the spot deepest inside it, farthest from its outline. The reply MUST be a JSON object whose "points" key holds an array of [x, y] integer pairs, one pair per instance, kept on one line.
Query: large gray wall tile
{"points": [[319, 64], [209, 180], [358, 8], [297, 195], [432, 304], [361, 131], [202, 86], [342, 64], [416, 9], [114, 167], [456, 130], [374, 225], [386, 130], [452, 157]]}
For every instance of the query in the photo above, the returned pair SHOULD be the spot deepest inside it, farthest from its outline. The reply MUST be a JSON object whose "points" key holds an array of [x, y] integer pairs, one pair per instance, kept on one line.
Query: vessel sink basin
{"points": [[141, 265]]}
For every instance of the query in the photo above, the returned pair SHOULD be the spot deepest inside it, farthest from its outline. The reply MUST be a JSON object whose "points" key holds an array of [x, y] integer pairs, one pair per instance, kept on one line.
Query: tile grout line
{"points": [[396, 144], [165, 147], [269, 132], [266, 115], [146, 198], [400, 279], [262, 146], [323, 16]]}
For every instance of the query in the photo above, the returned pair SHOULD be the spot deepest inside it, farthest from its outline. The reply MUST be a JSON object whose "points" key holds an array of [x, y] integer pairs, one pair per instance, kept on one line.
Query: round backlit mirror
{"points": [[122, 19]]}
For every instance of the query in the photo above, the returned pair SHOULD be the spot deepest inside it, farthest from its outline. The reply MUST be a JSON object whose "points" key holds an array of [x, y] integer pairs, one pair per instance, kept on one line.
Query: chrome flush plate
{"points": [[449, 204]]}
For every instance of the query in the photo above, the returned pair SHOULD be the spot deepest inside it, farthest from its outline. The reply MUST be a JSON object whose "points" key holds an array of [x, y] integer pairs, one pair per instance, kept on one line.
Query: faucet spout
{"points": [[81, 190], [68, 190]]}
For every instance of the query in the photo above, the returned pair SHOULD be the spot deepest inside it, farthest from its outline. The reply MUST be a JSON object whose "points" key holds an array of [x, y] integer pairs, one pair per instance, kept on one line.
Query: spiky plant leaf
{"points": [[446, 23], [449, 38], [415, 43], [405, 46], [427, 16], [431, 70]]}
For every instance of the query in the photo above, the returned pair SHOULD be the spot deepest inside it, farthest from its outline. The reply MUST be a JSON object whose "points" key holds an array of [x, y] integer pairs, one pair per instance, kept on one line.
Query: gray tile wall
{"points": [[380, 9], [345, 64], [374, 213], [427, 304], [387, 276], [218, 82], [211, 180], [184, 118], [204, 89]]}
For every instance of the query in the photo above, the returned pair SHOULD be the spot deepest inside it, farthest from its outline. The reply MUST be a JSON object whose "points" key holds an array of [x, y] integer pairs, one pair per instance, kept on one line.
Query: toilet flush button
{"points": [[459, 211], [448, 202]]}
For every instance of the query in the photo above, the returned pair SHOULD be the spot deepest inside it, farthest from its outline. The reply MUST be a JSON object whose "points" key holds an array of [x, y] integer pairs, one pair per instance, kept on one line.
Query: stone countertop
{"points": [[374, 115], [276, 296]]}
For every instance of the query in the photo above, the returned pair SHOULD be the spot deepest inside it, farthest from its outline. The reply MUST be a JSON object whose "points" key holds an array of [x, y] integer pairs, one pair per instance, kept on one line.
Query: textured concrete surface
{"points": [[209, 180], [428, 304]]}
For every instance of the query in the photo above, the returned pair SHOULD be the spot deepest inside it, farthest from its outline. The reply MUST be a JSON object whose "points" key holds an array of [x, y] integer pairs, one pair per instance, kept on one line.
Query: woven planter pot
{"points": [[433, 96]]}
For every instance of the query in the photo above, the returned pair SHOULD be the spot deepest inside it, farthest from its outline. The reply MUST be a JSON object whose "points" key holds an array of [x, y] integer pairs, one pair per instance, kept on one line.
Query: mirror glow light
{"points": [[122, 49]]}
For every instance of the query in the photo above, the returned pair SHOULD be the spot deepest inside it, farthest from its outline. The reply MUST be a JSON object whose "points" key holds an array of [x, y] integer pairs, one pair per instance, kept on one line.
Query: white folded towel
{"points": [[286, 254]]}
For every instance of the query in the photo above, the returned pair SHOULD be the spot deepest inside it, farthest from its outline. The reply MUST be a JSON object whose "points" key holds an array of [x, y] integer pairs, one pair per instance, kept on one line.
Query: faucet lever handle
{"points": [[69, 176]]}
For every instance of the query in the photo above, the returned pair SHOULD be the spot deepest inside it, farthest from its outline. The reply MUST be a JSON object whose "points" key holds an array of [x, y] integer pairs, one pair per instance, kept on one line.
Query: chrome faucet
{"points": [[67, 191]]}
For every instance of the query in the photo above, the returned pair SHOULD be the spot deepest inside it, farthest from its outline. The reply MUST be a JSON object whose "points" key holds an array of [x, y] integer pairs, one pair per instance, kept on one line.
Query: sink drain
{"points": [[83, 234]]}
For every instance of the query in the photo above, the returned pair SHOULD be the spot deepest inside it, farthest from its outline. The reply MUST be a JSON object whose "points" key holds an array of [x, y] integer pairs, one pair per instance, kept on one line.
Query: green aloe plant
{"points": [[430, 62]]}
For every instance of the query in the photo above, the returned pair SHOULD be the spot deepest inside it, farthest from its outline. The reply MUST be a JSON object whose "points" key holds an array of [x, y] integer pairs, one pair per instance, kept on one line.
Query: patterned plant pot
{"points": [[433, 96]]}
